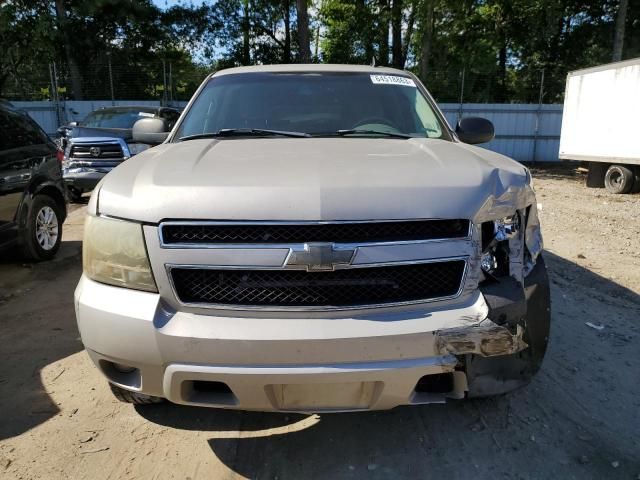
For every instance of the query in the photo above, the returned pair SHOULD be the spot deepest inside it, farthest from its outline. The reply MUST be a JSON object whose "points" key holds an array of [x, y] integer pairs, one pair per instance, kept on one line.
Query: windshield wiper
{"points": [[246, 132], [356, 131]]}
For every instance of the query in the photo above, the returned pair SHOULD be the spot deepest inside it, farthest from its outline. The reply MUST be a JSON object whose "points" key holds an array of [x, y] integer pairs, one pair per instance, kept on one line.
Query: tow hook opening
{"points": [[436, 383], [125, 375], [209, 392]]}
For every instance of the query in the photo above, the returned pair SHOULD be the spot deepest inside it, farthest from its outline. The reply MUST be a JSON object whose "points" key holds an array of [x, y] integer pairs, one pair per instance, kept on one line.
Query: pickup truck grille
{"points": [[339, 232], [341, 288], [97, 151]]}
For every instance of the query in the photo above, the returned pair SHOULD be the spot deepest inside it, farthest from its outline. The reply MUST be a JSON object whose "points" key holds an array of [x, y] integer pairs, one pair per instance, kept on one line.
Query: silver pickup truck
{"points": [[102, 141], [314, 238]]}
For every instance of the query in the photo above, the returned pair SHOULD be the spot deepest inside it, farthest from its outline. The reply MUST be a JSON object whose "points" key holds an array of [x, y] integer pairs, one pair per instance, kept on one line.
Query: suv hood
{"points": [[314, 179], [78, 132], [82, 140]]}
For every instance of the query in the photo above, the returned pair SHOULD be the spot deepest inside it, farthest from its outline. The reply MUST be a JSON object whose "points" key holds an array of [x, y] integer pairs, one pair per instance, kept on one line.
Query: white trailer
{"points": [[600, 124]]}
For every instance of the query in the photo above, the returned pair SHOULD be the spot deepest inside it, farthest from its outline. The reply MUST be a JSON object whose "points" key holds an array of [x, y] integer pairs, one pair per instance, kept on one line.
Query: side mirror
{"points": [[73, 124], [152, 131], [474, 130]]}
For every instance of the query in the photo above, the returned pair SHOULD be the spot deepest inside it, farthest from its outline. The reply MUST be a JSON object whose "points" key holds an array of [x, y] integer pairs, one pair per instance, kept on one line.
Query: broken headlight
{"points": [[495, 244]]}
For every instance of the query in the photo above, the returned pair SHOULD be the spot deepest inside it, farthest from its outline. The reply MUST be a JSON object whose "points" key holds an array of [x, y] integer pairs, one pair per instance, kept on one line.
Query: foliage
{"points": [[499, 47]]}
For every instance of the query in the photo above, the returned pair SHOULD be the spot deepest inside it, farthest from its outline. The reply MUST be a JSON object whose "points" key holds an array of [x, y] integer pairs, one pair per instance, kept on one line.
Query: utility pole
{"points": [[461, 93], [536, 132], [164, 84], [113, 97]]}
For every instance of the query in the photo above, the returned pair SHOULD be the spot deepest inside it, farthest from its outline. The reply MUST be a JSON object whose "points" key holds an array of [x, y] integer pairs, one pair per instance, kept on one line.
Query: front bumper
{"points": [[83, 180], [371, 361]]}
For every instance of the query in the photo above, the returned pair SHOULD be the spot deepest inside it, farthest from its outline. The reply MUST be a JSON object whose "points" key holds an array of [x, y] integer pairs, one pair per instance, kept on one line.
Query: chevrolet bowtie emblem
{"points": [[319, 257]]}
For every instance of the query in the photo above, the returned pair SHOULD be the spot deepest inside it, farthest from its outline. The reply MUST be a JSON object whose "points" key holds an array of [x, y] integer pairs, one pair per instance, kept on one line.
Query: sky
{"points": [[169, 3]]}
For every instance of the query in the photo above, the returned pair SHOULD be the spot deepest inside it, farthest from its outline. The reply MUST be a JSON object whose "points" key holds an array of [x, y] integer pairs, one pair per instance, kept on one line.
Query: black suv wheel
{"points": [[43, 231], [75, 194]]}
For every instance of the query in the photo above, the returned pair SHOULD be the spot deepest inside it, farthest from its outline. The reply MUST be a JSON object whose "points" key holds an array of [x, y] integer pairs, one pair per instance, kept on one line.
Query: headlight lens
{"points": [[495, 244], [488, 262], [113, 252], [507, 227]]}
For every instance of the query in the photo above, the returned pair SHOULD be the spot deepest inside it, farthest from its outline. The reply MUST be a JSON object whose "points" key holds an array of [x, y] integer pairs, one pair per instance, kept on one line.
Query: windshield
{"points": [[114, 118], [312, 103]]}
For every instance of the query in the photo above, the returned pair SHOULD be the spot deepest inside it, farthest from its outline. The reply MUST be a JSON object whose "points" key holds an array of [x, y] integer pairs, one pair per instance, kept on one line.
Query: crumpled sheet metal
{"points": [[504, 203], [486, 339], [533, 239], [473, 274]]}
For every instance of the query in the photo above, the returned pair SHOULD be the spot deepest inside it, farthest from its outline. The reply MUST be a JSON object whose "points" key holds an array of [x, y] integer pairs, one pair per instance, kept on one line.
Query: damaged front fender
{"points": [[496, 374]]}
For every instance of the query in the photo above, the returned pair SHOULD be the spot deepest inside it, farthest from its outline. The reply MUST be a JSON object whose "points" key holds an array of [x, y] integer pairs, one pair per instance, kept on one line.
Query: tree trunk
{"points": [[365, 32], [396, 33], [384, 32], [555, 44], [287, 31], [303, 31], [408, 34], [618, 40], [246, 26], [427, 36], [76, 77]]}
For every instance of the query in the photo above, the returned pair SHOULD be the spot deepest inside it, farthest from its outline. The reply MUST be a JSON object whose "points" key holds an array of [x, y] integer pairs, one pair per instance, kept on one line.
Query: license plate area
{"points": [[324, 396]]}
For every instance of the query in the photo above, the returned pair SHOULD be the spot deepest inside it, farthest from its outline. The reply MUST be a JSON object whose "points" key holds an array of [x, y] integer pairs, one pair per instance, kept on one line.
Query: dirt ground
{"points": [[580, 418]]}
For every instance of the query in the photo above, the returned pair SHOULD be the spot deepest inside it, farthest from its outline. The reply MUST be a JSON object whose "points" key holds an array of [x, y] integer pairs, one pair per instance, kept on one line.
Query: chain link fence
{"points": [[527, 127], [163, 81], [168, 82], [474, 86]]}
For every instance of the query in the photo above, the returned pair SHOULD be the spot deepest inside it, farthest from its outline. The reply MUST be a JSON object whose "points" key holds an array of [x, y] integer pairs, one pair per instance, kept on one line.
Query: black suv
{"points": [[32, 193]]}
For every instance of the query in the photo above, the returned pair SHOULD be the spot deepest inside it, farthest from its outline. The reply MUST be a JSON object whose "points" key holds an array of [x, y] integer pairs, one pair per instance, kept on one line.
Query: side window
{"points": [[16, 131], [6, 142], [427, 117]]}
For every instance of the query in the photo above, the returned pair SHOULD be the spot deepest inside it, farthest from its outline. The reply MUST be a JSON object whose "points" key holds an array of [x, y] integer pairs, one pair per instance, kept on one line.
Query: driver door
{"points": [[13, 168]]}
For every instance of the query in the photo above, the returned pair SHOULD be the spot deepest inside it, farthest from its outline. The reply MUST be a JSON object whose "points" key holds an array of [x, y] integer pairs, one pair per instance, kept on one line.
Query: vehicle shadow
{"points": [[577, 414], [557, 170], [37, 328]]}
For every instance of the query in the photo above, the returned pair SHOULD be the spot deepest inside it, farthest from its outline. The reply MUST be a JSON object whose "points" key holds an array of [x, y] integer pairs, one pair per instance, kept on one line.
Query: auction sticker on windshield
{"points": [[392, 80]]}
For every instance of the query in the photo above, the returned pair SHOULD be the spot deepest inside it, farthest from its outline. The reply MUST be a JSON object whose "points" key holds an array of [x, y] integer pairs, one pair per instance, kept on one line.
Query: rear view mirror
{"points": [[152, 131], [474, 130]]}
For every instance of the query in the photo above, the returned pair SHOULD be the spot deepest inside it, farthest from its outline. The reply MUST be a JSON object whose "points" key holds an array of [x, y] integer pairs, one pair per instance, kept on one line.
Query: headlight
{"points": [[495, 244], [507, 227], [113, 252]]}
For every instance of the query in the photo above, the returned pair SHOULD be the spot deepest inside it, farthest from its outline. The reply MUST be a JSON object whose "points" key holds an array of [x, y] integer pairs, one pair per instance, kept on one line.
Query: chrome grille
{"points": [[341, 288], [106, 151]]}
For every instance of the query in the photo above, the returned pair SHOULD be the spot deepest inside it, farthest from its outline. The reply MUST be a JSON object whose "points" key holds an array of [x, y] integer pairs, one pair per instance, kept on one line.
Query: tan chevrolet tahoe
{"points": [[314, 238]]}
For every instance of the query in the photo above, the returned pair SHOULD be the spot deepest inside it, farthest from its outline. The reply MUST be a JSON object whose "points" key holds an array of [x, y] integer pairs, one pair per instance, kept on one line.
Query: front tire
{"points": [[75, 194], [489, 376], [127, 396], [42, 234]]}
